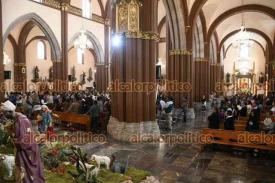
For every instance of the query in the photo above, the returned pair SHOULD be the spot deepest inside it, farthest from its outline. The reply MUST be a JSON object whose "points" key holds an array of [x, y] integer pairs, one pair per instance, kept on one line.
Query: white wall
{"points": [[32, 61], [51, 16], [89, 62]]}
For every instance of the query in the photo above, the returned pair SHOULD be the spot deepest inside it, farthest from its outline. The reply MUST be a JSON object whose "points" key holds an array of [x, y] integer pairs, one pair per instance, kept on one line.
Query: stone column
{"points": [[1, 57], [60, 67], [216, 78], [134, 67], [179, 75], [101, 77], [201, 80]]}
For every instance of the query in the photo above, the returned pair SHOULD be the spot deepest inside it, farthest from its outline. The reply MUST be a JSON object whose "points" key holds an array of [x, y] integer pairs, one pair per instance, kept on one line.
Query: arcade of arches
{"points": [[142, 57]]}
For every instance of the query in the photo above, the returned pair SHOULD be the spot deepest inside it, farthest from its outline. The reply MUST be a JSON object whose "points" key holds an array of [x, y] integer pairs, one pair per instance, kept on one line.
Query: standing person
{"points": [[184, 106], [229, 121], [214, 119], [203, 102], [46, 119], [169, 107], [29, 168], [254, 119], [94, 112]]}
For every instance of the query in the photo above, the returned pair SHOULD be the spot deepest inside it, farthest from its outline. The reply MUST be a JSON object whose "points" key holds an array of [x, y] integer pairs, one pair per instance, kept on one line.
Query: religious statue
{"points": [[29, 166], [261, 78], [50, 74], [90, 76], [73, 74], [83, 78], [227, 80], [35, 75]]}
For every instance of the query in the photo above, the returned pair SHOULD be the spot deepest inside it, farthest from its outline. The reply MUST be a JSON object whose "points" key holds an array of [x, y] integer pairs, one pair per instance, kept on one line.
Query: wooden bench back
{"points": [[241, 139], [74, 118]]}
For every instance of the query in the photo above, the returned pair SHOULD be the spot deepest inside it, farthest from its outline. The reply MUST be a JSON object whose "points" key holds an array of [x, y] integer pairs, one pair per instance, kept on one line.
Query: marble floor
{"points": [[186, 163]]}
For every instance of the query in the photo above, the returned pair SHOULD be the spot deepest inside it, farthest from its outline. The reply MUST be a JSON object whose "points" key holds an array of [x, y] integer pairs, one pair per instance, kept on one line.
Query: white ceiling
{"points": [[252, 20], [213, 8]]}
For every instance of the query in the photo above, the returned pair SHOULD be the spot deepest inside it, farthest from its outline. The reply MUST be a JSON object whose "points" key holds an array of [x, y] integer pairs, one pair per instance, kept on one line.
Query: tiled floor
{"points": [[185, 163]]}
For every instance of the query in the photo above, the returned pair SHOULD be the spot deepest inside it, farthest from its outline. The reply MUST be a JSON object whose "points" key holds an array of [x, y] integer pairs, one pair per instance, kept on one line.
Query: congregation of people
{"points": [[259, 112], [40, 107]]}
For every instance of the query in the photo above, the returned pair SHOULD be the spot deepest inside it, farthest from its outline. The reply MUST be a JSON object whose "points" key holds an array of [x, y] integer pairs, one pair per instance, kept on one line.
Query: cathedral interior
{"points": [[137, 91]]}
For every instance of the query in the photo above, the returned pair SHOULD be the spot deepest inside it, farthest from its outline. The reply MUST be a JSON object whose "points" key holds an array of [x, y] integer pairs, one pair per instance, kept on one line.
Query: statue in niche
{"points": [[90, 76], [50, 74], [227, 78], [35, 75], [83, 78], [261, 78], [73, 74]]}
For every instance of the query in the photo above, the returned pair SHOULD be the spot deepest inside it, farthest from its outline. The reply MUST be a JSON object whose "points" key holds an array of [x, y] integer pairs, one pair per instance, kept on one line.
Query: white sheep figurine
{"points": [[9, 163], [101, 160]]}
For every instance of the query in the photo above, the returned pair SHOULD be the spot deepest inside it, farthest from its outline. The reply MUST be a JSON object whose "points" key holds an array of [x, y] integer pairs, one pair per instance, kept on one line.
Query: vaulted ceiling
{"points": [[222, 16], [225, 16]]}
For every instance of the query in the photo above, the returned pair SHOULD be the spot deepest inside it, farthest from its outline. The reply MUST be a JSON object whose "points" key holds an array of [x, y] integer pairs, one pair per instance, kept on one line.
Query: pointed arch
{"points": [[96, 46], [44, 27]]}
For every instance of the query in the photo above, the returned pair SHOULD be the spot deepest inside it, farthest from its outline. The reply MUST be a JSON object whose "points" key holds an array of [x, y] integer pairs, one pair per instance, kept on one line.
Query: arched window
{"points": [[41, 50], [80, 56], [86, 8]]}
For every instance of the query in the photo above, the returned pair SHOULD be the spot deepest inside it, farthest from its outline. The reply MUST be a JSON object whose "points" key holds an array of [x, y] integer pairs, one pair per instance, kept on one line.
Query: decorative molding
{"points": [[201, 60], [143, 35], [180, 52], [52, 3], [19, 65]]}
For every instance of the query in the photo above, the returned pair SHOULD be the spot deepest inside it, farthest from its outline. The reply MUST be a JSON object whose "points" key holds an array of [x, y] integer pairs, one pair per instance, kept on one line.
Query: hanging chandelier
{"points": [[243, 37], [6, 59], [82, 42]]}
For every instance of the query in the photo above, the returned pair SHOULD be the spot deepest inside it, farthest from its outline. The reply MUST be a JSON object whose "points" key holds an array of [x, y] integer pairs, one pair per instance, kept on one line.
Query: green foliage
{"points": [[107, 176], [84, 174], [137, 175], [4, 137], [52, 177]]}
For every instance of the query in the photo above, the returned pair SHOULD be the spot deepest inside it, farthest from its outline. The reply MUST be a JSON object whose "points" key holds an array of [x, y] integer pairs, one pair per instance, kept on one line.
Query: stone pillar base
{"points": [[134, 132]]}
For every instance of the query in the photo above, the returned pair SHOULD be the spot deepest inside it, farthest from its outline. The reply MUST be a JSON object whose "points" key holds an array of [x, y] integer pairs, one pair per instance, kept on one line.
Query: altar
{"points": [[244, 83]]}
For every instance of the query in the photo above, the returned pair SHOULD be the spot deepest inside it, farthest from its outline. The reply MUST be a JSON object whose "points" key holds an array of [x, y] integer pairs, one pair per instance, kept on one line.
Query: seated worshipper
{"points": [[254, 119], [94, 112], [273, 109], [29, 168], [243, 111], [203, 102], [214, 119], [46, 119], [268, 124], [168, 108], [229, 121]]}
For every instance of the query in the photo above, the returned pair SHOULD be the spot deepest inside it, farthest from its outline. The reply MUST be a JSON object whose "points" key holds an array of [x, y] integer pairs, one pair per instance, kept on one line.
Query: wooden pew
{"points": [[239, 139], [74, 118]]}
